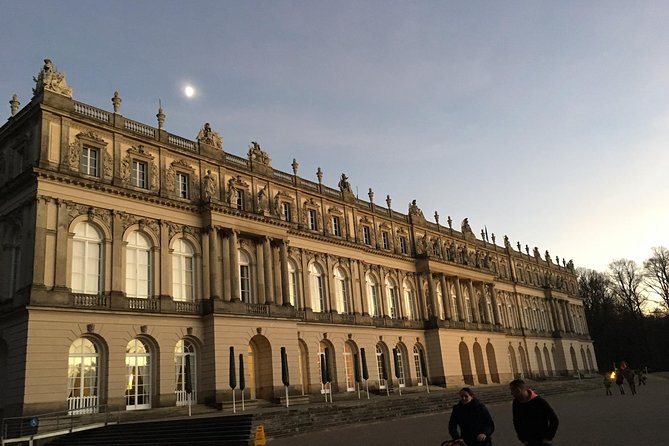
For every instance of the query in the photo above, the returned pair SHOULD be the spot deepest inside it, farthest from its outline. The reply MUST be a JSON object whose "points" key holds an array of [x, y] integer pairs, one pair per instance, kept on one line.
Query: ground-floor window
{"points": [[82, 383], [185, 363], [138, 376]]}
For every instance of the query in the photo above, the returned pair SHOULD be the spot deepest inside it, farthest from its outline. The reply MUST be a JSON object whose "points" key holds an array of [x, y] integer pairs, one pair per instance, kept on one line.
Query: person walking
{"points": [[470, 420], [607, 384], [534, 419]]}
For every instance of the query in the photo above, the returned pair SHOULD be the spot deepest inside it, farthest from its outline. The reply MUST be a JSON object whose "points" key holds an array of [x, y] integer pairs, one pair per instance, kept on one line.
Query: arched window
{"points": [[393, 303], [293, 290], [138, 376], [82, 384], [373, 296], [410, 301], [341, 290], [183, 274], [317, 288], [86, 259], [440, 302], [244, 277], [454, 303], [399, 365], [418, 365], [469, 311], [381, 367], [138, 266], [349, 370], [185, 364]]}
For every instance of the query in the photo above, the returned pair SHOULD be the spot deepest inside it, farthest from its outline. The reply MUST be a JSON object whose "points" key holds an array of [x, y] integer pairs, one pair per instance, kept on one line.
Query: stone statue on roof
{"points": [[51, 79], [209, 137], [257, 155]]}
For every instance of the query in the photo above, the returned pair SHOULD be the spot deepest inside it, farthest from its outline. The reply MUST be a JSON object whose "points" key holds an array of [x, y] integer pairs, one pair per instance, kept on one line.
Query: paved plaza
{"points": [[588, 418]]}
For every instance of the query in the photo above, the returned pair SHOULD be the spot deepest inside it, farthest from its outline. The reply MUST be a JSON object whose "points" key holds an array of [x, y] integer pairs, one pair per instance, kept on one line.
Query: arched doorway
{"points": [[260, 373], [540, 362], [382, 369], [418, 364], [549, 363], [591, 366], [326, 354], [138, 363], [574, 363], [399, 364], [492, 363], [350, 349], [185, 364], [304, 366], [523, 360], [513, 362], [466, 364], [83, 377], [479, 364]]}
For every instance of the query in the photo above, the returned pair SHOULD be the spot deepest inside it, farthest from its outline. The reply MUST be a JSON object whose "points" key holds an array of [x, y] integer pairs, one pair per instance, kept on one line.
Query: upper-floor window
{"points": [[90, 161], [138, 266], [404, 247], [239, 195], [385, 239], [343, 300], [285, 207], [244, 277], [293, 290], [366, 235], [317, 288], [410, 302], [138, 176], [373, 301], [183, 273], [336, 226], [86, 259], [393, 301], [182, 185], [313, 220]]}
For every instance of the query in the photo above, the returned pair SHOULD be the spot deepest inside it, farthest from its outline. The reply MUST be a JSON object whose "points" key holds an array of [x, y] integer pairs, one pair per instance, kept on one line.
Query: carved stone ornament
{"points": [[75, 210], [51, 79], [141, 154], [415, 214], [257, 155], [280, 197], [209, 186], [209, 137], [145, 224]]}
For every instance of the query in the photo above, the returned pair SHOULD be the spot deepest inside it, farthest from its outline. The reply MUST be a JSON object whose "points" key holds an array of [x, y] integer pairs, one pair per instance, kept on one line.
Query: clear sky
{"points": [[547, 121]]}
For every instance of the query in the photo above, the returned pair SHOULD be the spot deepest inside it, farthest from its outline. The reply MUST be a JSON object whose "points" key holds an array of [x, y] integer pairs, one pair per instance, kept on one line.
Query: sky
{"points": [[544, 121]]}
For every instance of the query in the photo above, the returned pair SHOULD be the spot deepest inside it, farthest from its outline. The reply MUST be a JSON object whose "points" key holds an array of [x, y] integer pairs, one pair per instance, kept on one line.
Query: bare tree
{"points": [[626, 285], [656, 273], [593, 287]]}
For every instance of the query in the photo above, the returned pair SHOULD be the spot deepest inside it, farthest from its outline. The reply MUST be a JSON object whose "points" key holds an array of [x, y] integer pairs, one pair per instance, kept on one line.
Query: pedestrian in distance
{"points": [[534, 419], [470, 420], [628, 374], [620, 381], [641, 374], [607, 384]]}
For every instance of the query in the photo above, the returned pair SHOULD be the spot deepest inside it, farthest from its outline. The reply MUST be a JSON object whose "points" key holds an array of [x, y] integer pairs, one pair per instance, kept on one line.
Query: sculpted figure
{"points": [[344, 185], [256, 153], [262, 199], [210, 137], [209, 185], [50, 79], [465, 226]]}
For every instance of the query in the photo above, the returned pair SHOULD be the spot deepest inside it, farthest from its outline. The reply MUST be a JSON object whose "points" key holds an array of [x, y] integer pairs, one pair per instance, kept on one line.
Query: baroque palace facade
{"points": [[134, 259]]}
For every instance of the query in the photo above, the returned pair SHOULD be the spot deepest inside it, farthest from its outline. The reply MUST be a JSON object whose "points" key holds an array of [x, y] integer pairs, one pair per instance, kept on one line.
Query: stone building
{"points": [[135, 262]]}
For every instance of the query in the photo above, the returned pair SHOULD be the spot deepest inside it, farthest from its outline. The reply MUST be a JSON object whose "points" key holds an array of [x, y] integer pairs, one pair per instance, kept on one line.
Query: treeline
{"points": [[627, 308]]}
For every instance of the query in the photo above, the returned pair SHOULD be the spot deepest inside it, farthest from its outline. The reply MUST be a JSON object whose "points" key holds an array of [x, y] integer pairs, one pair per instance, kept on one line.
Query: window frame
{"points": [[85, 165], [139, 177], [182, 185]]}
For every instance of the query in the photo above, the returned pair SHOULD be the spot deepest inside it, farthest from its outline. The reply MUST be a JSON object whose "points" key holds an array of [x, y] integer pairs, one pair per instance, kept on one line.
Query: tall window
{"points": [[138, 266], [185, 364], [454, 303], [244, 277], [239, 196], [348, 367], [469, 311], [380, 364], [82, 383], [182, 185], [393, 304], [404, 247], [341, 287], [440, 302], [313, 220], [417, 365], [138, 175], [138, 376], [285, 206], [317, 288], [292, 284], [410, 302], [183, 275], [374, 301], [336, 226], [366, 235], [90, 161], [385, 239], [400, 366], [86, 259]]}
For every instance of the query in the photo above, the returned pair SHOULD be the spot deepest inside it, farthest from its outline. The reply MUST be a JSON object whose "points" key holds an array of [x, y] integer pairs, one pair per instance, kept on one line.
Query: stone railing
{"points": [[91, 112], [138, 303], [283, 176], [90, 300], [181, 142], [187, 307], [237, 160], [137, 127], [257, 309]]}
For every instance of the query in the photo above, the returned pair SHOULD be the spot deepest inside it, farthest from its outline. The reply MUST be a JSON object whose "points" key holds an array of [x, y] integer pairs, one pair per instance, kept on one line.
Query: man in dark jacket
{"points": [[534, 419]]}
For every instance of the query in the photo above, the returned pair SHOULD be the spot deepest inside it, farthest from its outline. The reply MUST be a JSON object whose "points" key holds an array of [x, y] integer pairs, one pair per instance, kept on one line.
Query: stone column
{"points": [[285, 280], [385, 311], [234, 267], [259, 276], [330, 293], [166, 260], [227, 266], [364, 298], [62, 234], [269, 280], [521, 313], [495, 305], [445, 297], [461, 301], [214, 265], [473, 301]]}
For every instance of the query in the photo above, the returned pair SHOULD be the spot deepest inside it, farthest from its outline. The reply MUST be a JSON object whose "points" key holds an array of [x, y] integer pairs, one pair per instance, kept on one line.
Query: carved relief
{"points": [[210, 137], [76, 209]]}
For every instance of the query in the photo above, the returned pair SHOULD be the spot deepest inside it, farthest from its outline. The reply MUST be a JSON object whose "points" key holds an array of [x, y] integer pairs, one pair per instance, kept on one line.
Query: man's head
{"points": [[519, 390]]}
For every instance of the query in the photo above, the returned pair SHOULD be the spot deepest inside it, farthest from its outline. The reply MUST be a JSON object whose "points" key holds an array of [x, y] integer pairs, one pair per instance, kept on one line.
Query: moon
{"points": [[189, 91]]}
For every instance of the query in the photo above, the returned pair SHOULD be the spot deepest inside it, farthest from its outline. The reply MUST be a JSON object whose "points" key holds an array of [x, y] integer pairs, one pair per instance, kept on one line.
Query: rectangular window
{"points": [[404, 249], [293, 288], [182, 185], [240, 199], [313, 220], [336, 226], [286, 211], [385, 238], [366, 235], [138, 175], [89, 163], [245, 283]]}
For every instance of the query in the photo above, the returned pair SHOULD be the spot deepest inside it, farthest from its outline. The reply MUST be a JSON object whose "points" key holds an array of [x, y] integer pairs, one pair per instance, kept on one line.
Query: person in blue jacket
{"points": [[534, 419], [470, 420]]}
